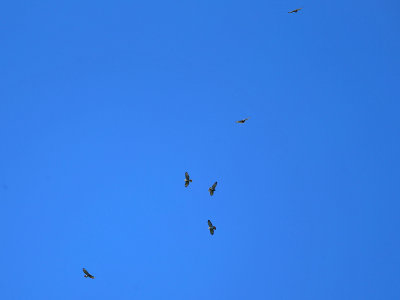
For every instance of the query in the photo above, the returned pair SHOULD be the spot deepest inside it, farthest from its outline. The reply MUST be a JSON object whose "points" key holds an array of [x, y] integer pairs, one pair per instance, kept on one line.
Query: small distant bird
{"points": [[295, 11], [211, 227], [87, 274], [212, 189], [242, 121], [187, 179]]}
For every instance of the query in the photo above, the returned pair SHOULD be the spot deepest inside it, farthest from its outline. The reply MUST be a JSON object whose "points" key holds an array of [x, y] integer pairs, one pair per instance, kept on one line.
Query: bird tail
{"points": [[190, 180], [215, 228]]}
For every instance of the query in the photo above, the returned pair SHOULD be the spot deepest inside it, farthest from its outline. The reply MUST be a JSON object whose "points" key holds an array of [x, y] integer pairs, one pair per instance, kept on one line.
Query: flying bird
{"points": [[87, 274], [211, 227], [295, 11], [242, 121], [212, 189], [187, 179]]}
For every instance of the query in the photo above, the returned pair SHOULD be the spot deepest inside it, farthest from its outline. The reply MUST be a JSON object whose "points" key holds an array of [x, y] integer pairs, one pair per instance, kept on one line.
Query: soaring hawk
{"points": [[242, 121], [187, 179], [211, 227], [295, 11], [87, 274], [212, 189]]}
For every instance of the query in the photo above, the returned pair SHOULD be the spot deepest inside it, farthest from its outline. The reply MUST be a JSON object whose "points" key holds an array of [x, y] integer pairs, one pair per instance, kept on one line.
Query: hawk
{"points": [[211, 227], [87, 274], [187, 179], [242, 121], [212, 189], [295, 11]]}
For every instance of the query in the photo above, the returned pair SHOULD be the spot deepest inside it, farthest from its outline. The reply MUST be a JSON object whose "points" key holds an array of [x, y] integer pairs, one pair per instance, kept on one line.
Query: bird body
{"points": [[187, 179], [211, 227], [295, 10], [242, 121], [87, 274], [212, 189]]}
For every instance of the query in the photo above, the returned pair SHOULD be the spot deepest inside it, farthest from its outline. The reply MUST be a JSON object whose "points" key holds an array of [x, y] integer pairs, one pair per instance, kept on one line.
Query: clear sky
{"points": [[105, 104]]}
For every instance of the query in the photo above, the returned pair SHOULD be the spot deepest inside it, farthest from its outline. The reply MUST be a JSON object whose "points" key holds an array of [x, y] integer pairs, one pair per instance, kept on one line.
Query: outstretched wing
{"points": [[242, 121], [212, 231], [209, 223], [187, 176], [212, 188], [295, 10], [186, 183], [86, 272]]}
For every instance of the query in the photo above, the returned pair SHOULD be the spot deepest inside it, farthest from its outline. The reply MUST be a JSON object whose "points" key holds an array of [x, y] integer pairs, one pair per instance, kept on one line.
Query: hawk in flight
{"points": [[295, 11], [87, 274], [187, 179], [212, 189], [211, 227], [242, 121]]}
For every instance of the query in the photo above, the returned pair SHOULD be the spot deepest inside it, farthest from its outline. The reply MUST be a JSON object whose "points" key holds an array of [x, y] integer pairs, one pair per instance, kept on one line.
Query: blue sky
{"points": [[104, 106]]}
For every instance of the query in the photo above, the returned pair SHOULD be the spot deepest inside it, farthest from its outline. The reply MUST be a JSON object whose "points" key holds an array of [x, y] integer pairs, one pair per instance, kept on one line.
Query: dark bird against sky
{"points": [[187, 179], [87, 274], [211, 227], [212, 189], [295, 11], [242, 121]]}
